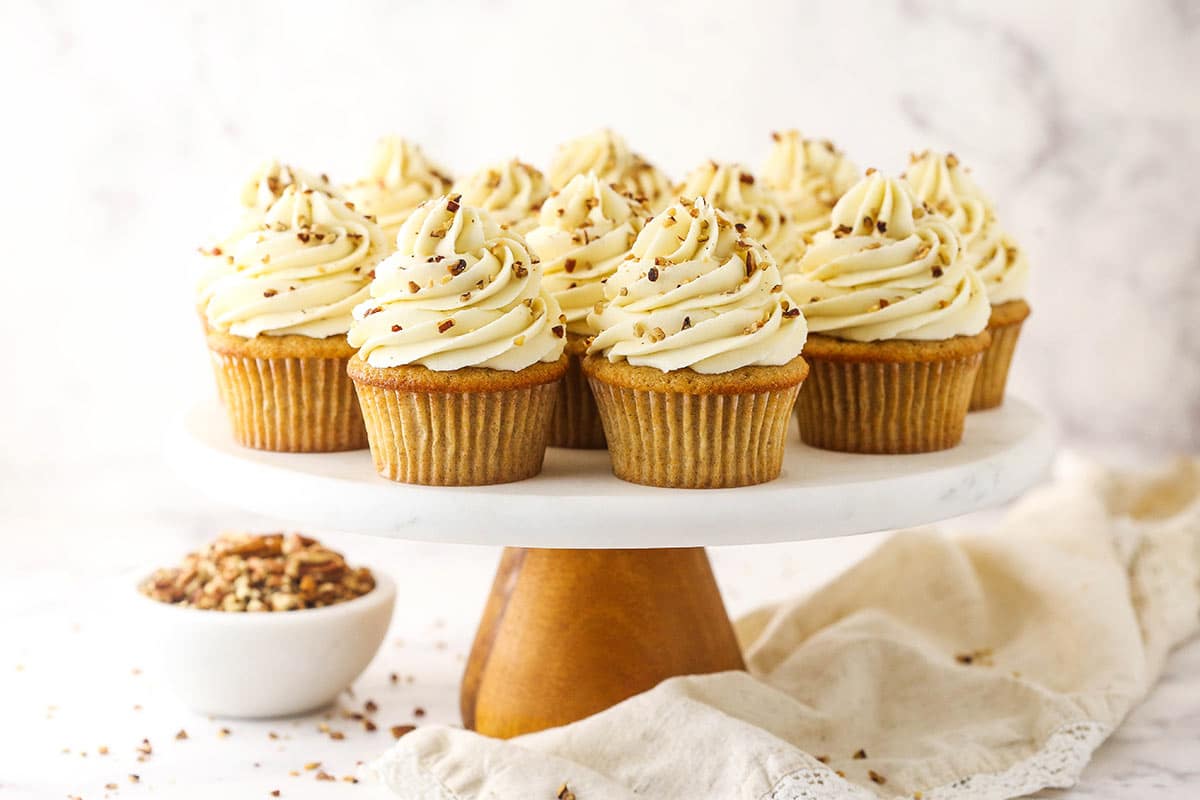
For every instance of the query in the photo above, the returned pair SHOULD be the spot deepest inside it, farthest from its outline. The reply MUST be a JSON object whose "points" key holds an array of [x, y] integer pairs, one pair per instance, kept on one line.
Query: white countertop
{"points": [[73, 677]]}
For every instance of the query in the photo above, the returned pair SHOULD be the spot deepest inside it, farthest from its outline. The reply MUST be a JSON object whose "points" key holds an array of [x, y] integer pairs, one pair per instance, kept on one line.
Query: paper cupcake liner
{"points": [[993, 372], [294, 405], [694, 441], [458, 438], [859, 406], [576, 422]]}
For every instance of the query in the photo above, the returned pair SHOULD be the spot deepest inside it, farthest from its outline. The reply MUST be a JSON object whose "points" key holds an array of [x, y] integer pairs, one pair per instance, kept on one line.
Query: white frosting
{"points": [[608, 155], [583, 233], [460, 291], [733, 189], [511, 192], [810, 175], [400, 178], [941, 181], [889, 268], [301, 272], [696, 294]]}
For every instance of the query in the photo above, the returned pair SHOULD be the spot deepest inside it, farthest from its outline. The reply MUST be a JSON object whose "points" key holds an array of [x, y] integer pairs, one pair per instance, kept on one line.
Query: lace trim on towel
{"points": [[1056, 765]]}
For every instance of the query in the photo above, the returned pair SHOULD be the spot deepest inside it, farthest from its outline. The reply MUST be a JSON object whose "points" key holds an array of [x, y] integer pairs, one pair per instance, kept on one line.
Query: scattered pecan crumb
{"points": [[325, 776], [402, 730], [310, 766], [860, 754], [876, 777], [418, 712], [181, 735], [564, 793], [134, 778]]}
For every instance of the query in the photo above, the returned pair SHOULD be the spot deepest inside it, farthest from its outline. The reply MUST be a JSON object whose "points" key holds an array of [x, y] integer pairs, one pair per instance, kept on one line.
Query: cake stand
{"points": [[604, 587]]}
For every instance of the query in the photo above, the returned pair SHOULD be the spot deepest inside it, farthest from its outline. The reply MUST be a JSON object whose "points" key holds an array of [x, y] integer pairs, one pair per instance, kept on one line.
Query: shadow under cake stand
{"points": [[604, 587]]}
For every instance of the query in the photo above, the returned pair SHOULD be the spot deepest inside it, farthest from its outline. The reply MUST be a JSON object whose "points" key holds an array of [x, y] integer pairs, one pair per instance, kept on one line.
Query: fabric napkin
{"points": [[980, 666]]}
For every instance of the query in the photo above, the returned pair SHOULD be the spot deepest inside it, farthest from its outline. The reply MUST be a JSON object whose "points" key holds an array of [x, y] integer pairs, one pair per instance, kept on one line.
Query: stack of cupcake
{"points": [[458, 328]]}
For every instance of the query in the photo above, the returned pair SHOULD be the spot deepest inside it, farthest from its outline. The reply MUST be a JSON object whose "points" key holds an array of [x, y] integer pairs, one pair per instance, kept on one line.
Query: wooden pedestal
{"points": [[567, 633]]}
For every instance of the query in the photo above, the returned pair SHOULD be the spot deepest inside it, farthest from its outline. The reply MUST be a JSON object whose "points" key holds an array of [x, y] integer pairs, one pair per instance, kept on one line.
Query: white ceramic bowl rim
{"points": [[384, 592]]}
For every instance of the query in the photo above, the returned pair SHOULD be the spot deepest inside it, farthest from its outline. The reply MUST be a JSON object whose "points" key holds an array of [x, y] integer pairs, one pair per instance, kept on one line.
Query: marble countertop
{"points": [[75, 677]]}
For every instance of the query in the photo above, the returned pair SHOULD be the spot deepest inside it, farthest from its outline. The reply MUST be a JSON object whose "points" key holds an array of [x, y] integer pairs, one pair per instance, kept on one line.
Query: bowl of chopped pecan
{"points": [[263, 625]]}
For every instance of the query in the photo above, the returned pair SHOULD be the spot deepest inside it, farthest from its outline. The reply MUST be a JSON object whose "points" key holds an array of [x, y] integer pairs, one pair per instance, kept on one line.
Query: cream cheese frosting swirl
{"points": [[583, 233], [889, 268], [941, 181], [733, 189], [460, 291], [695, 293], [302, 272], [511, 192], [264, 187], [810, 175], [607, 154], [400, 178]]}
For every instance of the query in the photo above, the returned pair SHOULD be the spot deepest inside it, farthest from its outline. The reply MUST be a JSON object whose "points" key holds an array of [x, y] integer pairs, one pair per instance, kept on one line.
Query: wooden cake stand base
{"points": [[567, 633]]}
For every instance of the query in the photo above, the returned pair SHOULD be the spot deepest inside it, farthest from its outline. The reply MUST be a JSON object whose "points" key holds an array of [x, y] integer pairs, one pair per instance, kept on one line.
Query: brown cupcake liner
{"points": [[1005, 327], [456, 438], [576, 422], [687, 440], [897, 402], [294, 405]]}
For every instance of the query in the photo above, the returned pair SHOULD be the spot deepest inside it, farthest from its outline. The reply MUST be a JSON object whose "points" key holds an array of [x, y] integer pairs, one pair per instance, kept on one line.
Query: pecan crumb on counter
{"points": [[268, 572]]}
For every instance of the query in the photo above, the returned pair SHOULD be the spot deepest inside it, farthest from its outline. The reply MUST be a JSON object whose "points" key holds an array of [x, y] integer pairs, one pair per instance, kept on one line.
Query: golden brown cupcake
{"points": [[733, 189], [583, 233], [277, 320], [697, 363], [460, 352], [511, 192], [606, 154], [399, 179], [898, 325], [942, 182]]}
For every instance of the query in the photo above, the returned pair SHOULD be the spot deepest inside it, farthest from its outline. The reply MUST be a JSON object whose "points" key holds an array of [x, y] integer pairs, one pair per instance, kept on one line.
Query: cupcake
{"points": [[400, 178], [607, 154], [511, 193], [583, 233], [460, 350], [277, 322], [942, 182], [697, 362], [732, 189], [259, 193], [898, 323], [810, 176]]}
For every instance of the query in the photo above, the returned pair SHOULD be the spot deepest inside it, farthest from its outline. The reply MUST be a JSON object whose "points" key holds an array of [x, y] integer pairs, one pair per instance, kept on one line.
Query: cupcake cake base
{"points": [[288, 393], [692, 431], [576, 422], [888, 397], [1005, 326], [467, 427]]}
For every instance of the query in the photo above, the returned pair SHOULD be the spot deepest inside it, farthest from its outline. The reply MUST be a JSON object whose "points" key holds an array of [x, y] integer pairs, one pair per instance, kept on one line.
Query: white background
{"points": [[129, 130]]}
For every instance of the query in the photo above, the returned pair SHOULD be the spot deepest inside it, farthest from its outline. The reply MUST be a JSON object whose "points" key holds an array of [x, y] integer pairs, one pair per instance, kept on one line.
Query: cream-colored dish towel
{"points": [[981, 666]]}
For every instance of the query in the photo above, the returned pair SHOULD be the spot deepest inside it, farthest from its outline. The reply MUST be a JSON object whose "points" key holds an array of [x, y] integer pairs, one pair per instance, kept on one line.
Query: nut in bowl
{"points": [[263, 625]]}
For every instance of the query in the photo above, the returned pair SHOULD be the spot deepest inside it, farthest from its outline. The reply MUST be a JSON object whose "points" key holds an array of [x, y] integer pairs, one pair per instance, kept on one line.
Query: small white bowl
{"points": [[265, 664]]}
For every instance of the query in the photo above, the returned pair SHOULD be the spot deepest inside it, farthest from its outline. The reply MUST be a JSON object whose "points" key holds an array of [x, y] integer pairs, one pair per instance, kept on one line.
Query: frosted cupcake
{"points": [[733, 189], [607, 154], [460, 351], [511, 193], [942, 182], [697, 363], [810, 176], [277, 320], [898, 322], [400, 178], [583, 233]]}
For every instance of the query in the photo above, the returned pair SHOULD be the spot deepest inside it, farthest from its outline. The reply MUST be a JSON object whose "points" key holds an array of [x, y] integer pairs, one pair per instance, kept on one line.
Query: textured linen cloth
{"points": [[980, 666]]}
